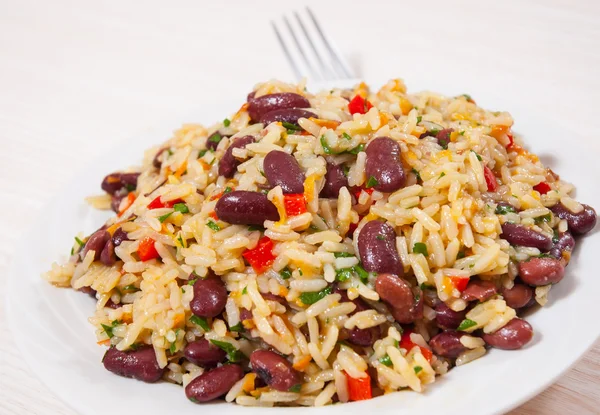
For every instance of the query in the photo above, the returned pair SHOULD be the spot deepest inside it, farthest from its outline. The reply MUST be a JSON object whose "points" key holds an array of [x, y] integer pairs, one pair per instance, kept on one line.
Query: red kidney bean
{"points": [[89, 291], [214, 383], [138, 364], [384, 165], [213, 140], [447, 344], [288, 115], [579, 223], [111, 304], [107, 256], [115, 201], [156, 161], [514, 335], [565, 243], [96, 243], [203, 353], [479, 290], [541, 271], [245, 314], [274, 370], [405, 302], [335, 179], [443, 136], [282, 169], [210, 296], [273, 297], [257, 107], [430, 298], [228, 164], [377, 248], [117, 181], [364, 337], [448, 319], [518, 296], [522, 236], [119, 236], [241, 207]]}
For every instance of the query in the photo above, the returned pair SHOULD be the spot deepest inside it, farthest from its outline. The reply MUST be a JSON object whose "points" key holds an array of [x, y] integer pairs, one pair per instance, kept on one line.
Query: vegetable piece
{"points": [[386, 361], [460, 283], [146, 249], [200, 321], [261, 257], [309, 298], [504, 209], [359, 105], [359, 389], [372, 182], [157, 203], [226, 122], [164, 217], [420, 248], [295, 204], [109, 329], [233, 354], [542, 187], [213, 226], [490, 179], [130, 200], [511, 141], [181, 208], [407, 344], [466, 324], [285, 273]]}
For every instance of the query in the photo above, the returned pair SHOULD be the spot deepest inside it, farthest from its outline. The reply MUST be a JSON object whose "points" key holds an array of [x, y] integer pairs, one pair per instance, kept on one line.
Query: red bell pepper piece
{"points": [[542, 187], [359, 105], [511, 141], [130, 200], [490, 179], [146, 249], [460, 283], [157, 203], [407, 344], [295, 204], [261, 257], [359, 389], [356, 191]]}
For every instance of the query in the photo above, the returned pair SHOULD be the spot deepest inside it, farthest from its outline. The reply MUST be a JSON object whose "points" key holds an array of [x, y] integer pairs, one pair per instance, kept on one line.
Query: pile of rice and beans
{"points": [[321, 248]]}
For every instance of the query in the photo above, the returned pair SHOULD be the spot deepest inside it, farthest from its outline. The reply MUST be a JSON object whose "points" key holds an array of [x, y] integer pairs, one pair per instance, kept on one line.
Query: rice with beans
{"points": [[322, 248]]}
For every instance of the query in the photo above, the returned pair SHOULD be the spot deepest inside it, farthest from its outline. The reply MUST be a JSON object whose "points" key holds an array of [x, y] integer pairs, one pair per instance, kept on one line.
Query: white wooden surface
{"points": [[78, 77]]}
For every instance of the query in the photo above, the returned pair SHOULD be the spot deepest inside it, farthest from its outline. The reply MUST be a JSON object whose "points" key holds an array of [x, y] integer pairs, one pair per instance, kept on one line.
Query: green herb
{"points": [[80, 242], [173, 347], [442, 175], [380, 237], [416, 173], [286, 273], [313, 297], [194, 400], [420, 248], [345, 170], [462, 132], [433, 132], [237, 328], [202, 153], [135, 346], [245, 290], [252, 228], [346, 136], [478, 156], [466, 324], [72, 251], [182, 290], [181, 208], [386, 361], [109, 329], [425, 286], [417, 369], [396, 342], [325, 146], [226, 122], [169, 152], [417, 297], [372, 182], [542, 219], [313, 228], [295, 388], [199, 321], [233, 354], [504, 209], [215, 138], [180, 239], [343, 274], [227, 190], [192, 281], [262, 173], [357, 149], [468, 97], [543, 256], [362, 273], [291, 128], [300, 272], [419, 118], [130, 187], [163, 218], [213, 226], [130, 287], [460, 255], [342, 254], [555, 237]]}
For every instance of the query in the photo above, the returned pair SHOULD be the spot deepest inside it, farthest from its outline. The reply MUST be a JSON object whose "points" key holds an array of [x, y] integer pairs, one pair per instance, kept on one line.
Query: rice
{"points": [[171, 272]]}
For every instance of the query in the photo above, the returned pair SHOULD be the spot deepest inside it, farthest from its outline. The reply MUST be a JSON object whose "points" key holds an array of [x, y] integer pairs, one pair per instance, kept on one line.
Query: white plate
{"points": [[51, 329]]}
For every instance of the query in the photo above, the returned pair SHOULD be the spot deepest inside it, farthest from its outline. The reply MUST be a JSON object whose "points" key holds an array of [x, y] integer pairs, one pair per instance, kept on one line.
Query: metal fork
{"points": [[309, 51]]}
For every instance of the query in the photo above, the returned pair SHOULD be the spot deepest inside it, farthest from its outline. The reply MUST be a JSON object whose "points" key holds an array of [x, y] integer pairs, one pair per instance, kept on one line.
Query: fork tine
{"points": [[342, 64], [291, 60], [312, 70], [325, 70]]}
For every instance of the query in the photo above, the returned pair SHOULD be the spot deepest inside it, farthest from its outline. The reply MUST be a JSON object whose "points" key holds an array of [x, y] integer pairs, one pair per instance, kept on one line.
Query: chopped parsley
{"points": [[357, 149], [466, 324], [312, 297], [420, 248], [478, 156], [419, 118], [245, 290], [129, 288], [80, 242], [434, 132], [253, 228], [291, 128], [325, 146], [199, 321], [213, 226], [164, 217], [462, 132], [380, 237], [130, 187], [425, 286], [215, 138], [226, 122], [372, 182], [233, 354], [542, 219], [442, 175], [342, 254], [285, 273], [227, 190], [385, 360], [237, 328], [173, 346], [555, 238], [346, 136], [467, 97], [181, 208], [460, 255], [202, 153], [416, 173], [109, 329], [504, 209], [300, 272], [343, 274], [296, 388], [417, 369]]}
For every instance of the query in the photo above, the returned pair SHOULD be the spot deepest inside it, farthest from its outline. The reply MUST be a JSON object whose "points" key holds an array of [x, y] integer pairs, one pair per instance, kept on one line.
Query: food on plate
{"points": [[321, 248]]}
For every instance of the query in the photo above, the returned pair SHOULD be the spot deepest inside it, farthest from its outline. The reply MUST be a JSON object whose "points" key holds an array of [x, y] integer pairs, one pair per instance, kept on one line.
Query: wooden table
{"points": [[78, 77]]}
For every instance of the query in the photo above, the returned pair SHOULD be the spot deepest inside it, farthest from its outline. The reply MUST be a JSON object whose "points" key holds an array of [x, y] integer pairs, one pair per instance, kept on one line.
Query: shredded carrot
{"points": [[213, 215], [217, 196], [104, 342], [248, 324], [257, 392], [302, 363], [130, 200], [113, 228], [179, 318], [181, 169], [325, 123], [309, 187], [126, 318], [405, 106], [248, 385]]}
